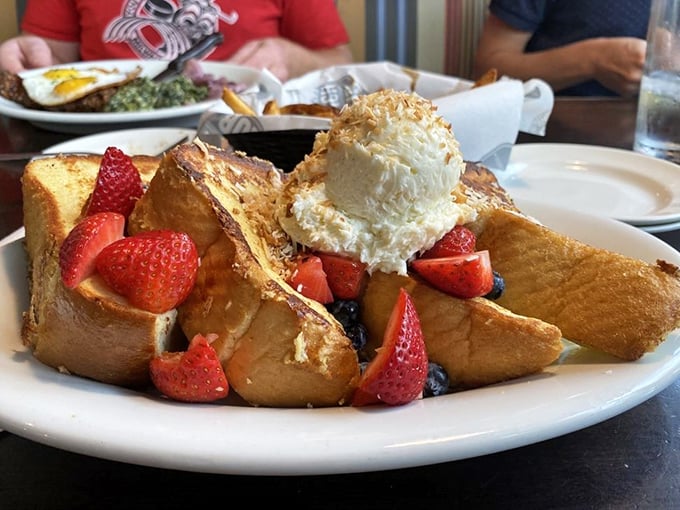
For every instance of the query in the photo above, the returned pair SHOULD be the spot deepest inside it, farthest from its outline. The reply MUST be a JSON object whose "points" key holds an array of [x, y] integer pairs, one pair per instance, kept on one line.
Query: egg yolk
{"points": [[69, 86]]}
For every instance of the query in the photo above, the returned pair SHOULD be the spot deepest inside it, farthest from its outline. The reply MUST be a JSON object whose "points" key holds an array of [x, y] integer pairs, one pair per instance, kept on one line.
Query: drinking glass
{"points": [[657, 129]]}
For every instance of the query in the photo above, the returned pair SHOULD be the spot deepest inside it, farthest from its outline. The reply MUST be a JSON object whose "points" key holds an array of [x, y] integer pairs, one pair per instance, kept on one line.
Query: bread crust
{"points": [[599, 299], [87, 331], [278, 348]]}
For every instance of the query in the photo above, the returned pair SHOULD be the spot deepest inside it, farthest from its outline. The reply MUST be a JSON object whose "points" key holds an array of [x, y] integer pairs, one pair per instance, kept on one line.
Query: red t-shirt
{"points": [[161, 29]]}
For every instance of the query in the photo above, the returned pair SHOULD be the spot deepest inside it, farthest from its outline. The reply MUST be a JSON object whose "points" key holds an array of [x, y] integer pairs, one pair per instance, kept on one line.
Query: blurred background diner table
{"points": [[629, 461]]}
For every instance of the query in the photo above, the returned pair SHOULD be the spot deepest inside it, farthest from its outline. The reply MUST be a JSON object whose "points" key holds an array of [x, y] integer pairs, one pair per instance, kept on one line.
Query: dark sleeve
{"points": [[525, 15]]}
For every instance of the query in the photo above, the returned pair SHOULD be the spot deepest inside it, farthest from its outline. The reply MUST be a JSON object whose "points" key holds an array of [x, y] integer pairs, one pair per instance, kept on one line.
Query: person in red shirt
{"points": [[288, 37]]}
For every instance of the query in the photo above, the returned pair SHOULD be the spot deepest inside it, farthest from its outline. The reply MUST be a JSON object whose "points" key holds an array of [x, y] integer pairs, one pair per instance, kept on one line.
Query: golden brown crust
{"points": [[87, 331], [476, 341], [598, 298], [278, 348]]}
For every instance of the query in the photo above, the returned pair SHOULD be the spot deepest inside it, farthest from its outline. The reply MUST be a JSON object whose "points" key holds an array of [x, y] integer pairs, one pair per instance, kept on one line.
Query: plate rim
{"points": [[580, 152], [85, 416], [86, 142]]}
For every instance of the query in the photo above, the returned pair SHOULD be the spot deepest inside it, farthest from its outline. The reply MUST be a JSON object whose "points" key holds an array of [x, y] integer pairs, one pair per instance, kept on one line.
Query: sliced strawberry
{"points": [[463, 276], [346, 277], [84, 242], [457, 241], [195, 375], [118, 185], [398, 373], [154, 270], [310, 280]]}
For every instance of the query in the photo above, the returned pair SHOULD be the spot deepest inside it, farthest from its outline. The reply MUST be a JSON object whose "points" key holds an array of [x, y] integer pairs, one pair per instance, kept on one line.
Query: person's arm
{"points": [[615, 62], [286, 59], [28, 51]]}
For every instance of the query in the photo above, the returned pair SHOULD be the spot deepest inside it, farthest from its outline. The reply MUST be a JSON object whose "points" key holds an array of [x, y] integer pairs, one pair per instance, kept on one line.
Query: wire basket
{"points": [[285, 149]]}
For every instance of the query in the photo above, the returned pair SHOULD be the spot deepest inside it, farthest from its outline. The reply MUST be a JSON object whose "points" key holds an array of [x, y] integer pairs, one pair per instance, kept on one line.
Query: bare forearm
{"points": [[560, 67]]}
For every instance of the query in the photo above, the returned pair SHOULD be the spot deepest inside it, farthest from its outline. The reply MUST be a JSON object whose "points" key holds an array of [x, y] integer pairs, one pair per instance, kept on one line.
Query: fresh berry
{"points": [[459, 240], [358, 335], [346, 312], [154, 270], [437, 382], [195, 375], [498, 287], [118, 185], [86, 240], [463, 276], [398, 372], [309, 279], [346, 276]]}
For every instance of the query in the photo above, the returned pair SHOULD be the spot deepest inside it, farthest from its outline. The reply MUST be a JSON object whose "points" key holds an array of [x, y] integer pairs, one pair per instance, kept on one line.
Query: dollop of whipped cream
{"points": [[379, 185]]}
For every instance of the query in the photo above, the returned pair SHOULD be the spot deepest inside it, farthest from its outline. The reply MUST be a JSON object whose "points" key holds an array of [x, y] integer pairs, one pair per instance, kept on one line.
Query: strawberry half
{"points": [[398, 373], [457, 241], [118, 185], [310, 280], [78, 252], [154, 270], [195, 375], [346, 277], [463, 276]]}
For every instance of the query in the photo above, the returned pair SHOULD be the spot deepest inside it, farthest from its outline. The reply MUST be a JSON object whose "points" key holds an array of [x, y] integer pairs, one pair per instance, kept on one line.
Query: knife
{"points": [[176, 66]]}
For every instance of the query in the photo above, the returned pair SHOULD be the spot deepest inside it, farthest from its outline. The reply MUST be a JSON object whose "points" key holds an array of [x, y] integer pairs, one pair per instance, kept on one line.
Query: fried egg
{"points": [[63, 85]]}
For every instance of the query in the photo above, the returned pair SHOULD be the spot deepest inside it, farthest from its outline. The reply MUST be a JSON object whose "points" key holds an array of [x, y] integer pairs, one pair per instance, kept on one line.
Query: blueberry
{"points": [[346, 312], [357, 334], [498, 287], [437, 381]]}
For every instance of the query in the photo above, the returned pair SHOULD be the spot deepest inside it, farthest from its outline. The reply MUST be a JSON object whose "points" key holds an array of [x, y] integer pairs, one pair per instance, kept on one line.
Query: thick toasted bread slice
{"points": [[475, 340], [278, 348], [89, 331], [599, 299]]}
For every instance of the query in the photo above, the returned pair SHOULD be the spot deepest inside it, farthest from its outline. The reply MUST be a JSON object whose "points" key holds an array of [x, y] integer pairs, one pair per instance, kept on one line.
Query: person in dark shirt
{"points": [[580, 47]]}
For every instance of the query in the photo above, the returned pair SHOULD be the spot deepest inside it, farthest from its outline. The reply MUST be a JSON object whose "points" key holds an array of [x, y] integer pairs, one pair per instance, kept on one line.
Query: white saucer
{"points": [[605, 181], [130, 141]]}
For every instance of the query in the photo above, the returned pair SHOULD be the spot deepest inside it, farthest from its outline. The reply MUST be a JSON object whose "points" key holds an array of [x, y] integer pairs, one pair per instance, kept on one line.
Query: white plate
{"points": [[182, 116], [617, 183], [75, 414], [130, 141], [661, 227]]}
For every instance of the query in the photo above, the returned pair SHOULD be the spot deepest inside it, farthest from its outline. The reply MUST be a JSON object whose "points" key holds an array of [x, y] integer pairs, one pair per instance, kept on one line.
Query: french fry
{"points": [[314, 110], [488, 77], [271, 108], [235, 102]]}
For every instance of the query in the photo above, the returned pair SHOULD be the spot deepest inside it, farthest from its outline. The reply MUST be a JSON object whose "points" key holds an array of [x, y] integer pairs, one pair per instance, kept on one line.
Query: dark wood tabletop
{"points": [[630, 461]]}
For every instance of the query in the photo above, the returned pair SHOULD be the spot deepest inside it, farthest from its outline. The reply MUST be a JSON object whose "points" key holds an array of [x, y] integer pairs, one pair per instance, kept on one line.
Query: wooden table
{"points": [[629, 461]]}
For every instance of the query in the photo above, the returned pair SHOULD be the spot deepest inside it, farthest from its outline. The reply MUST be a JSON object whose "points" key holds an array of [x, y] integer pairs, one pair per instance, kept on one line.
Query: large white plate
{"points": [[582, 389], [182, 116], [130, 141], [617, 183]]}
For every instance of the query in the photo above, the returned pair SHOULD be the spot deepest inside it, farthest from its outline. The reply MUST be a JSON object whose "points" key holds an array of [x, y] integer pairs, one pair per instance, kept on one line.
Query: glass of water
{"points": [[657, 129]]}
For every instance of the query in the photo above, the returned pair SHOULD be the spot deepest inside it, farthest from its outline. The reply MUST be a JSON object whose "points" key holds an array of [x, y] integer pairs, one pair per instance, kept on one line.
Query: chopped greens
{"points": [[145, 94]]}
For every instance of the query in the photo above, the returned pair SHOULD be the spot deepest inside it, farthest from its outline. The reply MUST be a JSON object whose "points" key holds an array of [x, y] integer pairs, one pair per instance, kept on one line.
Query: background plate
{"points": [[130, 141], [581, 389], [620, 184], [181, 116]]}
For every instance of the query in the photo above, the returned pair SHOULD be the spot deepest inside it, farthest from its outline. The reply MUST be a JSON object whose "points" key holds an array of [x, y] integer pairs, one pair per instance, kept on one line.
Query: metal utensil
{"points": [[176, 66]]}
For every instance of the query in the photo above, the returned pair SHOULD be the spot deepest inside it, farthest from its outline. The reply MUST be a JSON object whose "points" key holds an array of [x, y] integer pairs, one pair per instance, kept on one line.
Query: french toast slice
{"points": [[599, 299], [88, 331], [475, 340], [278, 347]]}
